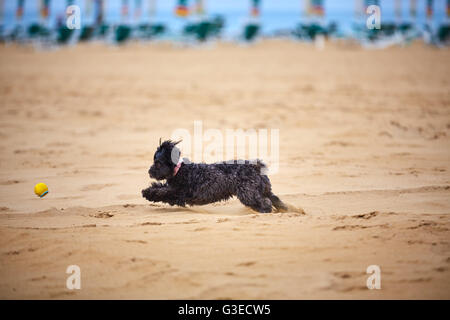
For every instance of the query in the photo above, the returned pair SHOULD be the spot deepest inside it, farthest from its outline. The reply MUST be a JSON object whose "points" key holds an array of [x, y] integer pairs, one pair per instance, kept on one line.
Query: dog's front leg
{"points": [[163, 193], [153, 193]]}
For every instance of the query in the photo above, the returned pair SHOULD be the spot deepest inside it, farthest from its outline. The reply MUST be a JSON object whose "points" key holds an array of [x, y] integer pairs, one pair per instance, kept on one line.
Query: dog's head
{"points": [[165, 160]]}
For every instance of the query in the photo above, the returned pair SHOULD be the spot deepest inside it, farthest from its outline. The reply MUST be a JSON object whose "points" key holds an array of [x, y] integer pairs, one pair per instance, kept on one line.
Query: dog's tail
{"points": [[262, 168], [277, 203]]}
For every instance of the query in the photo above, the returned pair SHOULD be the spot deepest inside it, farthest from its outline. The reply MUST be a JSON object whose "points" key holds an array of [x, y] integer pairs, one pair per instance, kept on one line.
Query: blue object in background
{"points": [[275, 14]]}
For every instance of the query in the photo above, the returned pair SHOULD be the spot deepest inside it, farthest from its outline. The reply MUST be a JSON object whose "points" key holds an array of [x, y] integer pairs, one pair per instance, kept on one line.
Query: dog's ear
{"points": [[175, 152], [160, 141]]}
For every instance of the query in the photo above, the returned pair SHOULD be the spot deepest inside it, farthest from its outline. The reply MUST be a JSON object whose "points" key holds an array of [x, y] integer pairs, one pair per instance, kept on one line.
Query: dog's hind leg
{"points": [[277, 203], [254, 201]]}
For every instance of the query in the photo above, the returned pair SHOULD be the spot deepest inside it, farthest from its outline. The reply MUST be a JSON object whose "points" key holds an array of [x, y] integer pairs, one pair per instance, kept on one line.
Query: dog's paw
{"points": [[177, 202], [146, 193]]}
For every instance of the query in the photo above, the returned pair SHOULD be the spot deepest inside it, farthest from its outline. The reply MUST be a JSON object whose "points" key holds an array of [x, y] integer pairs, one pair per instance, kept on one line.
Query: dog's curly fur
{"points": [[200, 183]]}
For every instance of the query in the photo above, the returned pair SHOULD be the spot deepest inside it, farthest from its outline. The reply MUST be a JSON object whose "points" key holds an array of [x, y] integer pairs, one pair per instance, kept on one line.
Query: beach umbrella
{"points": [[316, 8], [124, 10], [18, 32], [255, 8], [2, 4], [429, 9], [413, 8], [182, 9], [448, 9], [398, 10], [20, 9], [99, 9], [44, 9], [306, 5], [137, 9], [88, 8], [199, 7], [359, 9], [151, 8]]}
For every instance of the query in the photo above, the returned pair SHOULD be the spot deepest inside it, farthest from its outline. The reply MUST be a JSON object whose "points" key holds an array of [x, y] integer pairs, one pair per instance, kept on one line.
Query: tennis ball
{"points": [[41, 189]]}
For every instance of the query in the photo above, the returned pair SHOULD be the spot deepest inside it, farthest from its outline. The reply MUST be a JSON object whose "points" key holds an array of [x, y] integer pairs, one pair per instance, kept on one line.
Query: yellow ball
{"points": [[41, 189]]}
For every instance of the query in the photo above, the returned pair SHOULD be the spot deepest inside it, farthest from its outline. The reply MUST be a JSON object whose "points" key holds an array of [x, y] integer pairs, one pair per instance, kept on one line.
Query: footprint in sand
{"points": [[103, 215], [39, 278], [9, 182], [348, 275], [201, 229], [136, 241], [358, 227], [89, 226], [151, 224], [192, 221], [366, 215], [12, 253], [246, 264]]}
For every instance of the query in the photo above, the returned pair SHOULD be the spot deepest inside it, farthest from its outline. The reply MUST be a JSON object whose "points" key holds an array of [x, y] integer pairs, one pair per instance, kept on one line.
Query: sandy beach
{"points": [[364, 151]]}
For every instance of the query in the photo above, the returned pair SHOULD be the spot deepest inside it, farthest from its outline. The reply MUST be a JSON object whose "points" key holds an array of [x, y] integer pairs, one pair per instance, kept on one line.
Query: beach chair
{"points": [[158, 29], [204, 31], [102, 30], [309, 32], [38, 32], [200, 31], [251, 31], [64, 35], [443, 34], [217, 25], [149, 31], [122, 33], [17, 34], [87, 33]]}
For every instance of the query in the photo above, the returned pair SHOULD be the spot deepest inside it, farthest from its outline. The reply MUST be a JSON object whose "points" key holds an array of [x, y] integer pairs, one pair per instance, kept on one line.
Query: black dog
{"points": [[200, 183]]}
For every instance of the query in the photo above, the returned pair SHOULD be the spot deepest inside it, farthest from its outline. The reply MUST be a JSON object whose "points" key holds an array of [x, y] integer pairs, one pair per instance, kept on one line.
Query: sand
{"points": [[364, 150]]}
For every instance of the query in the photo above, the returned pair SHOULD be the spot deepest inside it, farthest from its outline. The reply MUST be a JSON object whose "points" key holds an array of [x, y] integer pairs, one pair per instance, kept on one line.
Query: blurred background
{"points": [[118, 21]]}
